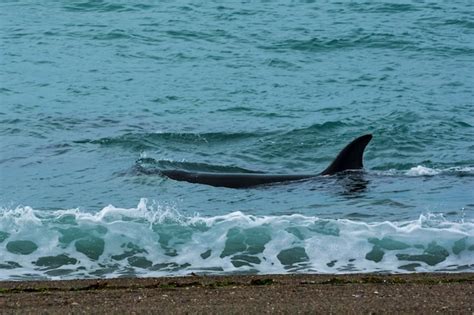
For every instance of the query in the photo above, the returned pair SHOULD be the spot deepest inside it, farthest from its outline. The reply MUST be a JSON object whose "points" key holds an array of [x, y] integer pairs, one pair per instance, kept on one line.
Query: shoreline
{"points": [[359, 293]]}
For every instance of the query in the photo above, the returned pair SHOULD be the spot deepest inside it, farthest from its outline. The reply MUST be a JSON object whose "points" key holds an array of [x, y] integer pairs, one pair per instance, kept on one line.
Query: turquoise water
{"points": [[98, 96]]}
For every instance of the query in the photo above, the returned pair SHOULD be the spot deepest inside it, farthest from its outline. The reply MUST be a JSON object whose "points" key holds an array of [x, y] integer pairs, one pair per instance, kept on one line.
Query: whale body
{"points": [[350, 158]]}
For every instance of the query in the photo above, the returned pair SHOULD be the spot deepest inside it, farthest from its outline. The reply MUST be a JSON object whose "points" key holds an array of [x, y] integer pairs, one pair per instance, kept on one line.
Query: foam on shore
{"points": [[156, 240]]}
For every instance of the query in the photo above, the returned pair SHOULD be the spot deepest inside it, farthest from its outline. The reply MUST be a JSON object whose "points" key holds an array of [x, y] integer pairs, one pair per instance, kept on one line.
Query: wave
{"points": [[144, 141], [383, 7], [365, 41], [309, 148], [154, 139], [154, 239], [373, 40], [104, 6], [421, 171], [150, 166]]}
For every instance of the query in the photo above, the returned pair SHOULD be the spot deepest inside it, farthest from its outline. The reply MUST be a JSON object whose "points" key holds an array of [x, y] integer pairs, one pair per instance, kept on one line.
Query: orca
{"points": [[350, 158]]}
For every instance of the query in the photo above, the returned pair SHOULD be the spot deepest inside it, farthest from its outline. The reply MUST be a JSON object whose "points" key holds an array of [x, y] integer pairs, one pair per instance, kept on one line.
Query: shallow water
{"points": [[97, 96]]}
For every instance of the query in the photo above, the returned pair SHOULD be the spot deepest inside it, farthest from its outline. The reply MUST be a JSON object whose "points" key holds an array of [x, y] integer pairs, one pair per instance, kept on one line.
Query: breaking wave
{"points": [[156, 240]]}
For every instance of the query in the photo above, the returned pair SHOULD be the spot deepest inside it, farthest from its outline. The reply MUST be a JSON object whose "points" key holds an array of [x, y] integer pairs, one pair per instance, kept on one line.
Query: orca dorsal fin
{"points": [[350, 158]]}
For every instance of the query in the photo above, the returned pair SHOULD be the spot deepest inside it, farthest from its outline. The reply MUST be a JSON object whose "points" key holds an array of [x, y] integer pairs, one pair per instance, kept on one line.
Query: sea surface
{"points": [[96, 97]]}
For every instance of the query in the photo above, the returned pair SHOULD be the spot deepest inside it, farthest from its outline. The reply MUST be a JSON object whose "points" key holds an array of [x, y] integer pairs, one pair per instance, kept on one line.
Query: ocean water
{"points": [[97, 96]]}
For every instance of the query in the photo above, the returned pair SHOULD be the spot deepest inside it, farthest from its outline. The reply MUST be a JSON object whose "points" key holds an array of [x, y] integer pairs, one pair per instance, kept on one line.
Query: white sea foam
{"points": [[156, 240], [421, 170]]}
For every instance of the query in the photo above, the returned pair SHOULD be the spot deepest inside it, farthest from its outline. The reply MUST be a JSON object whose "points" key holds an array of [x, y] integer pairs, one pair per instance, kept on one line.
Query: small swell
{"points": [[320, 127], [149, 166], [374, 40], [143, 141], [97, 6]]}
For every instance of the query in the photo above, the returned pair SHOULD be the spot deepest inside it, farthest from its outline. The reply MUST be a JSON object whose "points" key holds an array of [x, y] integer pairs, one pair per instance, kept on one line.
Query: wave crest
{"points": [[153, 239]]}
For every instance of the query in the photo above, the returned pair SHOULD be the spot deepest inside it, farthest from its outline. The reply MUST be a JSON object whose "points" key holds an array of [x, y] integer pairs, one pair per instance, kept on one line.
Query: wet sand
{"points": [[367, 293]]}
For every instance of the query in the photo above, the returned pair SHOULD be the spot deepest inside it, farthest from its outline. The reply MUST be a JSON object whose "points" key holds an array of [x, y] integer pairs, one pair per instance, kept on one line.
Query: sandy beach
{"points": [[365, 293]]}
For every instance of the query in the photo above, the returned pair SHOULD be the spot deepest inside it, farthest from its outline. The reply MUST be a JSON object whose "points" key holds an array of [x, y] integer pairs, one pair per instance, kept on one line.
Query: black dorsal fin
{"points": [[350, 158]]}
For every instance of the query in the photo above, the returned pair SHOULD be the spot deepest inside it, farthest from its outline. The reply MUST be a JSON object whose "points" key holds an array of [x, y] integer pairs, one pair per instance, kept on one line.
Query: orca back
{"points": [[350, 158]]}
